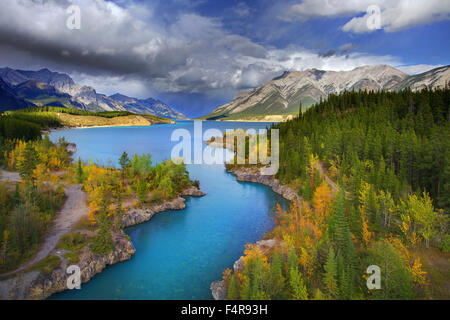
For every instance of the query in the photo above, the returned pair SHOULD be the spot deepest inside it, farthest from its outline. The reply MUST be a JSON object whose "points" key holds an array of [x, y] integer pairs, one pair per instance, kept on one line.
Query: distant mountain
{"points": [[45, 87], [149, 106], [33, 89], [9, 100], [12, 77], [55, 79], [282, 95], [436, 78]]}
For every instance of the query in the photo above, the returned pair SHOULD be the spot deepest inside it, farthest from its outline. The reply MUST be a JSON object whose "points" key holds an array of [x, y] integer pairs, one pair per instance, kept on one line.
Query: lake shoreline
{"points": [[105, 126], [253, 174], [36, 285], [94, 289], [144, 122]]}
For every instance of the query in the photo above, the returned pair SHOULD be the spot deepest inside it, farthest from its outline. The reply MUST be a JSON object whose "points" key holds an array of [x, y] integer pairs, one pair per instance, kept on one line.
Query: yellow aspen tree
{"points": [[363, 200], [418, 274], [366, 234], [321, 201], [226, 274]]}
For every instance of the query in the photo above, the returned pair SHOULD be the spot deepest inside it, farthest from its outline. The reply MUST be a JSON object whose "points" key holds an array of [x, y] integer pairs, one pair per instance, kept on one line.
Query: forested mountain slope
{"points": [[284, 94], [389, 154]]}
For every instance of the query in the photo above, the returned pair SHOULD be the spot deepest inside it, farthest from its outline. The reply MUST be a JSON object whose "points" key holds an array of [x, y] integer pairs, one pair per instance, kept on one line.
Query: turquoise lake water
{"points": [[178, 253]]}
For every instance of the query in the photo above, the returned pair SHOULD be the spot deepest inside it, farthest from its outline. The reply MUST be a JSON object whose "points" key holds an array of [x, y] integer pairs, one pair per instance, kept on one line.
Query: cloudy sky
{"points": [[196, 55]]}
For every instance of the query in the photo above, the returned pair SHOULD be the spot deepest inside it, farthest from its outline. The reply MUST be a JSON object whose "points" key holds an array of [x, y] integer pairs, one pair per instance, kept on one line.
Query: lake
{"points": [[178, 253]]}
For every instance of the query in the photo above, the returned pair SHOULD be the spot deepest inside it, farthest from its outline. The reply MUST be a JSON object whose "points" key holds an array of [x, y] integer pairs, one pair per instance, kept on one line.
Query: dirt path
{"points": [[72, 211], [9, 176], [333, 185]]}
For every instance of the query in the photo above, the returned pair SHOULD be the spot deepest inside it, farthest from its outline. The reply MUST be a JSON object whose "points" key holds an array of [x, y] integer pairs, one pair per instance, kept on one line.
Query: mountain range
{"points": [[280, 98], [9, 100], [22, 89]]}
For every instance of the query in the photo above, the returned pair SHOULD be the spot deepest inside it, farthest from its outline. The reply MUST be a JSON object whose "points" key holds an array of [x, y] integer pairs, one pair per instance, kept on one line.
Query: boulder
{"points": [[71, 147], [218, 290], [192, 191]]}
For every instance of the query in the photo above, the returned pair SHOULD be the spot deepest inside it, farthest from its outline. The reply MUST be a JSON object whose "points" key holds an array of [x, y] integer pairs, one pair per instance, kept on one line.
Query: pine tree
{"points": [[276, 276], [258, 279], [16, 195], [297, 287], [292, 259], [330, 276], [28, 161], [142, 191], [103, 243], [345, 248], [79, 171], [232, 293], [124, 162], [318, 295], [307, 193], [246, 289]]}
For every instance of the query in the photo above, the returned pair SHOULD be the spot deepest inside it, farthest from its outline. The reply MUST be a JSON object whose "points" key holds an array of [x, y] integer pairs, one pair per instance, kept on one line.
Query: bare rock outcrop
{"points": [[71, 147], [252, 174], [192, 191], [33, 285], [218, 290], [138, 215], [90, 264]]}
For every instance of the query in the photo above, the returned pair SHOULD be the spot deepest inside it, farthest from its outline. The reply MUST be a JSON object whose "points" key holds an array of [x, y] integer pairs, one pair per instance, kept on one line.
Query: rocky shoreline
{"points": [[90, 264], [253, 174], [35, 285], [218, 288], [139, 215]]}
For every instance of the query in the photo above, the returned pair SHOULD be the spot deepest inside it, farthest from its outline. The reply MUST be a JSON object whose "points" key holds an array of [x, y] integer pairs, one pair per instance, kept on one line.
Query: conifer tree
{"points": [[28, 161], [276, 275], [307, 192], [124, 162], [79, 171], [103, 243], [297, 287], [142, 190], [330, 276], [232, 293]]}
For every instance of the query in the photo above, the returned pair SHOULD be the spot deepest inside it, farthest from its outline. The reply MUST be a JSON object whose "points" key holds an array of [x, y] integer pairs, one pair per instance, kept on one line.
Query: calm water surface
{"points": [[178, 253]]}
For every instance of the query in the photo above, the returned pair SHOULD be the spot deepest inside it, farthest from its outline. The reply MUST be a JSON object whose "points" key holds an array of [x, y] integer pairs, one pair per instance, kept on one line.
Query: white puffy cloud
{"points": [[395, 15]]}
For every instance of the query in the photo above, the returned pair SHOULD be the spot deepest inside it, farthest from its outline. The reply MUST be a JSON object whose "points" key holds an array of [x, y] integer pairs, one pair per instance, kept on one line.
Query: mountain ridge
{"points": [[67, 93], [9, 100], [282, 95]]}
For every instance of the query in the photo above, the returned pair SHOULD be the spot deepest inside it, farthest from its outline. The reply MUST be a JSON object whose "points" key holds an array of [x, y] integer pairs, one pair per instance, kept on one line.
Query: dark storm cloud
{"points": [[134, 47], [90, 61]]}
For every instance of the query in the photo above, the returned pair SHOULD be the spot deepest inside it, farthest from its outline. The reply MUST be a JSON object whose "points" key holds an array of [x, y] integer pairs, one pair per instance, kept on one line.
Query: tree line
{"points": [[388, 154]]}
